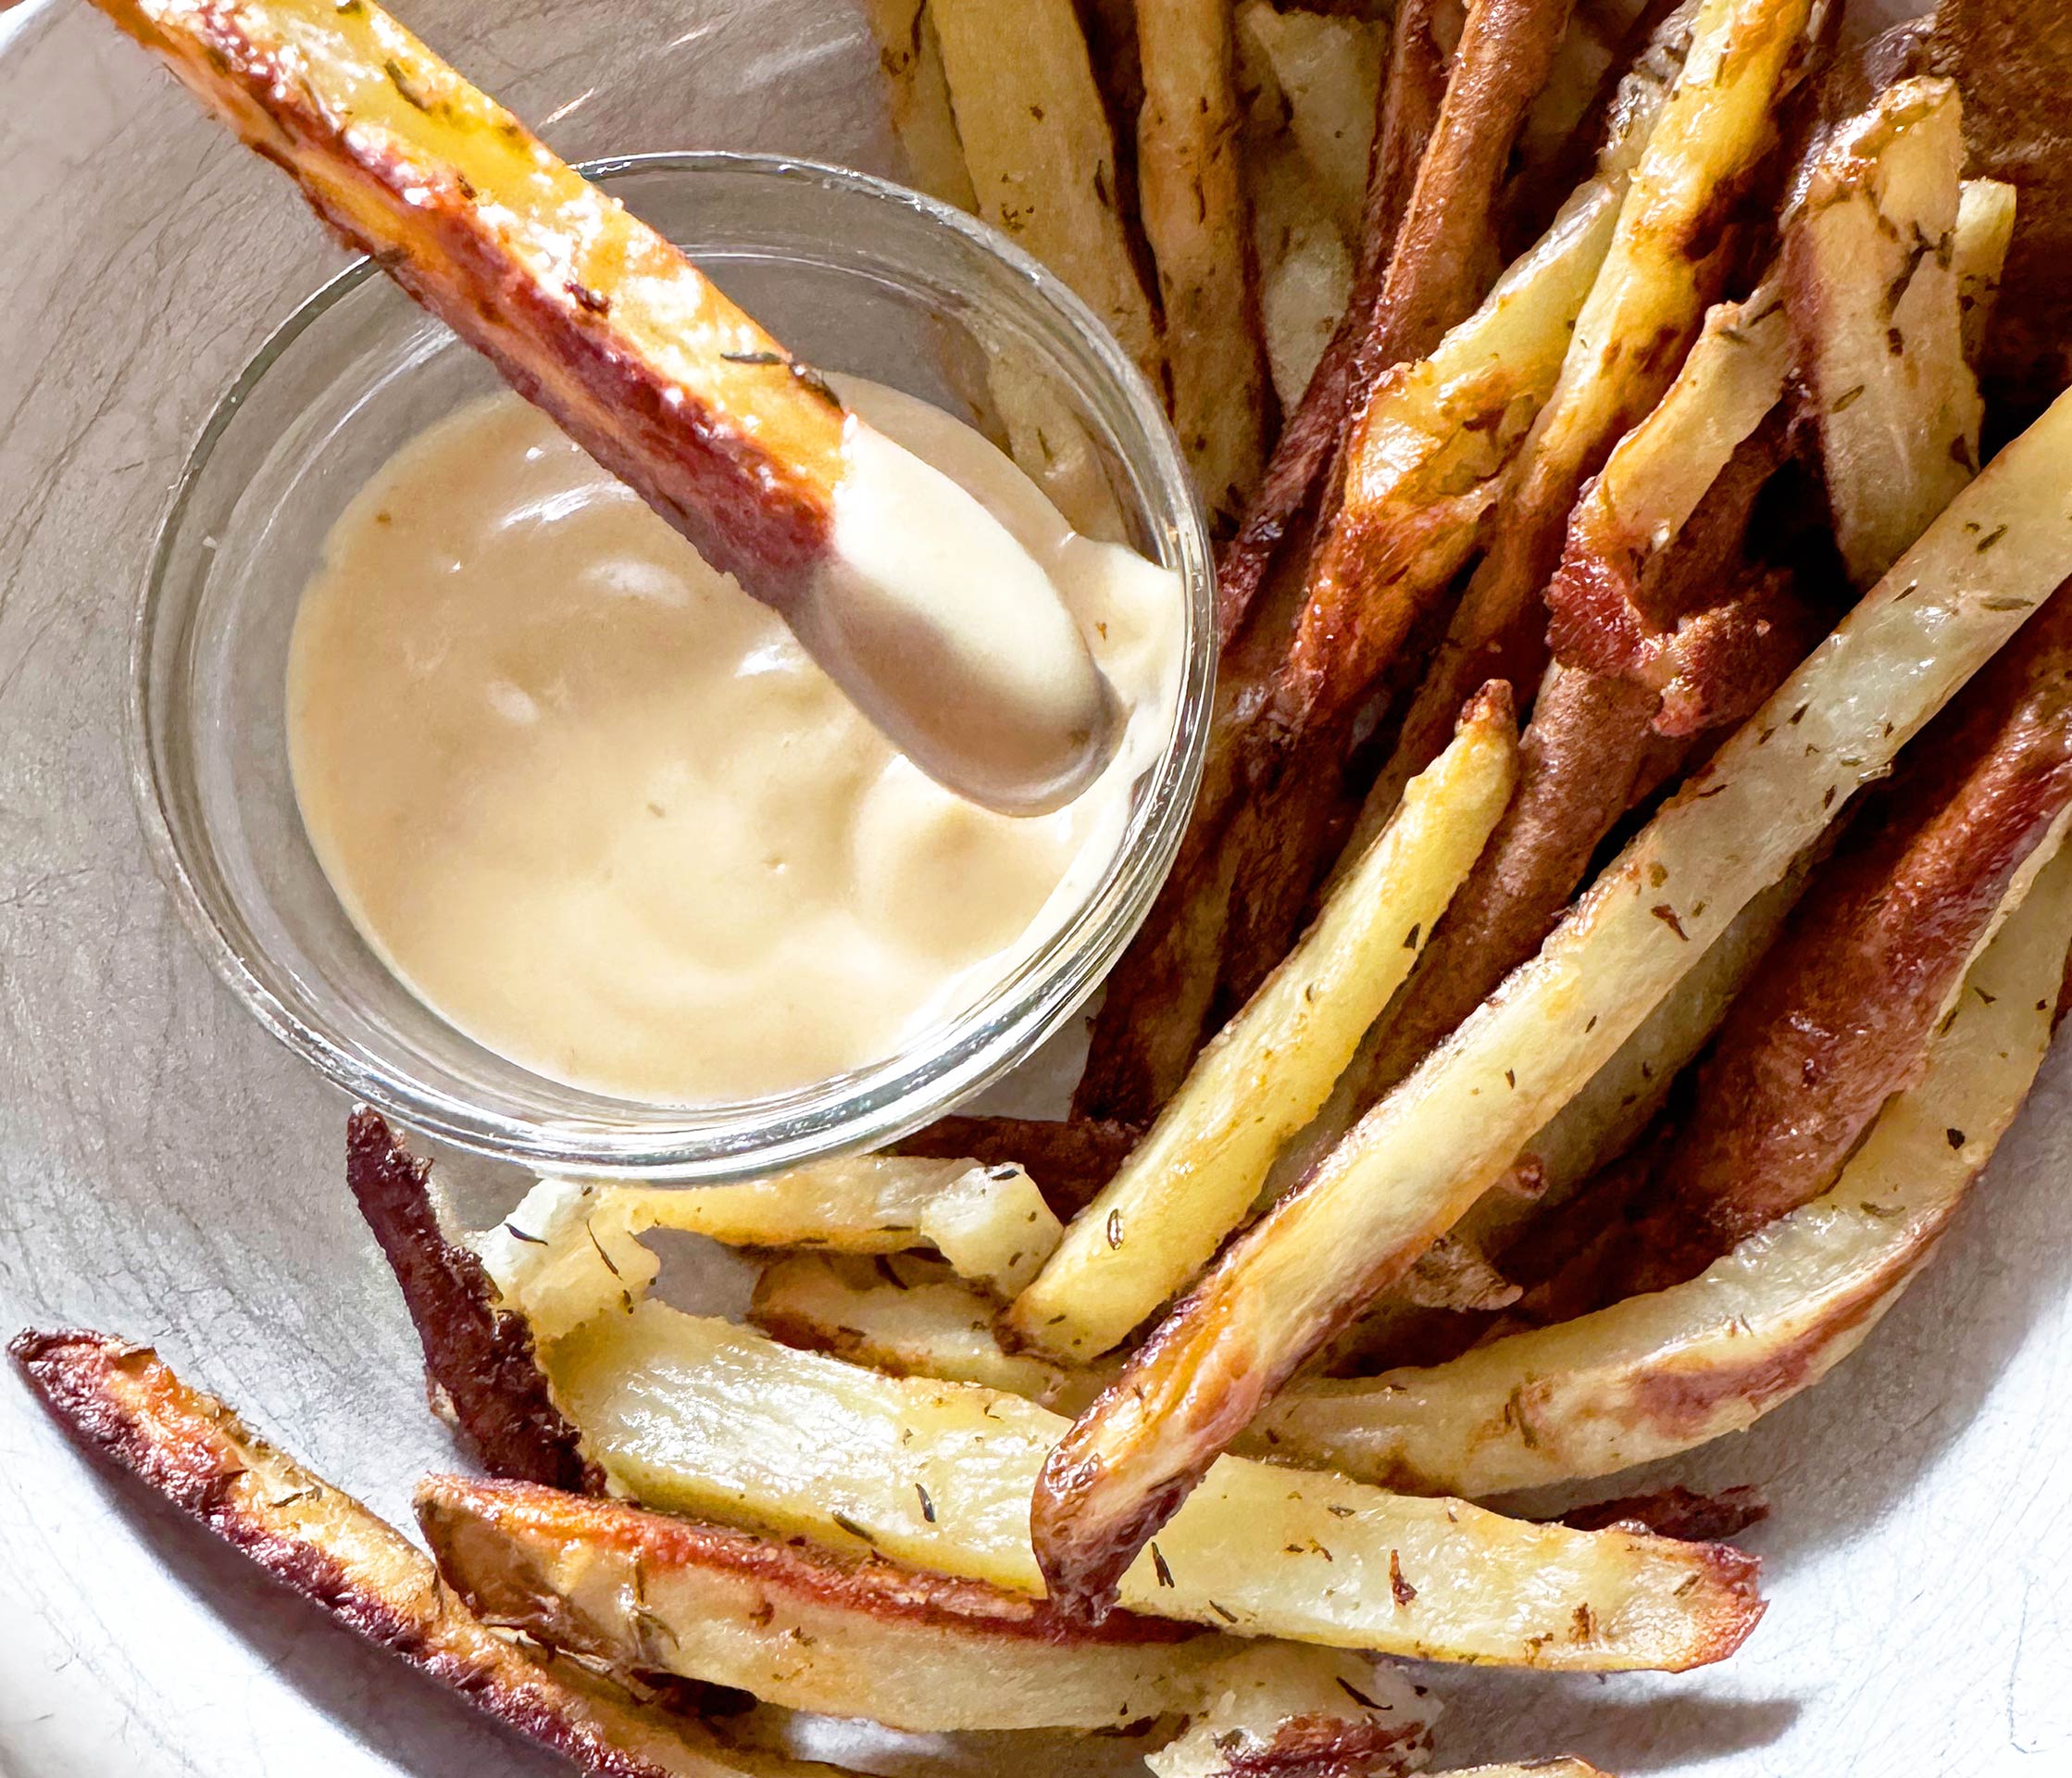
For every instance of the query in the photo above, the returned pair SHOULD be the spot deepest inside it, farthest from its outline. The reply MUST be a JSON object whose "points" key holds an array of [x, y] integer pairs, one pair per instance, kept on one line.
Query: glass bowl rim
{"points": [[883, 1100]]}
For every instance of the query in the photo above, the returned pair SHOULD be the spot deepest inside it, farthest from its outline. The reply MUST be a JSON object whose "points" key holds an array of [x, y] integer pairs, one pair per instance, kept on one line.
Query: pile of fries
{"points": [[1483, 1107]]}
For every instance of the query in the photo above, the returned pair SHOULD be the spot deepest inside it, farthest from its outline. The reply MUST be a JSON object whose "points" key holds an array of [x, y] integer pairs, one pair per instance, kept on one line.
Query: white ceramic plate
{"points": [[167, 1173]]}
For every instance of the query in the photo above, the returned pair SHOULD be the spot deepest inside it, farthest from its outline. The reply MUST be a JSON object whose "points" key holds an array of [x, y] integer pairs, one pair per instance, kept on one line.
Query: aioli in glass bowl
{"points": [[599, 810]]}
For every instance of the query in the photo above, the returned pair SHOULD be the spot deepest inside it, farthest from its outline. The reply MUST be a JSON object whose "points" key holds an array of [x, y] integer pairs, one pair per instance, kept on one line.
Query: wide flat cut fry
{"points": [[695, 1415], [126, 1402], [1195, 1176], [1659, 1373], [1419, 1159]]}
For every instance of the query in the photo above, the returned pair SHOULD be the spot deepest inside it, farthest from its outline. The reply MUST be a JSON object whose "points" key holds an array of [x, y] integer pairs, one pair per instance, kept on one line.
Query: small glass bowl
{"points": [[854, 274]]}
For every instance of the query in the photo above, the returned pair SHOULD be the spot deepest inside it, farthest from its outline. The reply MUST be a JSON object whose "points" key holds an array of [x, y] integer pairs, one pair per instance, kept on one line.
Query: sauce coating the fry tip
{"points": [[606, 815]]}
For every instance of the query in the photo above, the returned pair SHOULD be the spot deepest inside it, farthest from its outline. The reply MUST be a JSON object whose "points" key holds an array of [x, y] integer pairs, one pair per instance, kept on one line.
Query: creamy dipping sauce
{"points": [[599, 810]]}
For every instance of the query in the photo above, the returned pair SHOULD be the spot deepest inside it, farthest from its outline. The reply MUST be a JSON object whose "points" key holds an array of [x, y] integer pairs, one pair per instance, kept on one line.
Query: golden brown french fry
{"points": [[1191, 192], [1985, 229], [1659, 1374], [124, 1401], [1416, 1162], [1716, 123], [642, 1592], [919, 96], [1041, 152], [1871, 290], [698, 1416], [572, 1249], [596, 316], [1193, 1178]]}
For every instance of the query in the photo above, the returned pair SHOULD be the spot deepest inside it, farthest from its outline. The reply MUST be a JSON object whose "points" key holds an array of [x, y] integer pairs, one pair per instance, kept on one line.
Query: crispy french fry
{"points": [[1849, 1000], [478, 1355], [1871, 290], [696, 1415], [919, 96], [1194, 1176], [572, 1249], [1190, 191], [1661, 268], [641, 1591], [1416, 1162], [124, 1401], [593, 315], [1041, 152], [1985, 229], [1656, 1374], [909, 1318], [1558, 1768], [1276, 1709]]}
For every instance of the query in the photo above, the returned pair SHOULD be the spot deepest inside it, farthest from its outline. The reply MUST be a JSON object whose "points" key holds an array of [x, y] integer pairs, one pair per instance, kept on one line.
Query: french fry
{"points": [[697, 1416], [1324, 70], [909, 1318], [1069, 1158], [1278, 1709], [1661, 268], [641, 1591], [919, 94], [2009, 57], [1985, 229], [1659, 1373], [1041, 152], [597, 318], [478, 1355], [572, 1249], [1849, 999], [1194, 1176], [1871, 291], [1558, 1768], [1192, 194], [125, 1402], [1421, 1158]]}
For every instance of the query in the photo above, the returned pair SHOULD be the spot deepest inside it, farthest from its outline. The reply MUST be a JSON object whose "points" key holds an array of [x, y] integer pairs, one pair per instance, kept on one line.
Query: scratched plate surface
{"points": [[167, 1173]]}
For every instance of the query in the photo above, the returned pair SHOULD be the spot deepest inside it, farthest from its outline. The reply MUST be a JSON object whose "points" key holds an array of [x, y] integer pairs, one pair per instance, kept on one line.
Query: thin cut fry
{"points": [[1194, 1177], [911, 59], [1192, 195], [124, 1401], [1871, 288], [572, 1249], [1040, 154], [1070, 1159], [1420, 1158], [696, 1415], [1657, 1374]]}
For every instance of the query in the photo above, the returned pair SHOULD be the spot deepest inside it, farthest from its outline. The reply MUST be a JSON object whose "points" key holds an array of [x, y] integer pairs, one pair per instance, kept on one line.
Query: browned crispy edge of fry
{"points": [[125, 1402], [1273, 793], [451, 1507], [1676, 1511], [2013, 59], [1411, 93], [1069, 1158], [1691, 643], [478, 1360], [756, 499], [1841, 1016], [1325, 1747]]}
